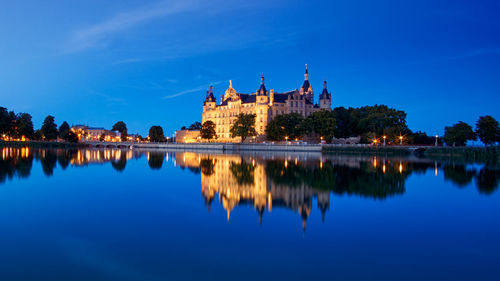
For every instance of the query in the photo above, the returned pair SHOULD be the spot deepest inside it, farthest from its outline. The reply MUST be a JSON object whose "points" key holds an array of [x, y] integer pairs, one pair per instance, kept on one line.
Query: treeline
{"points": [[20, 127], [374, 124], [487, 130], [370, 123]]}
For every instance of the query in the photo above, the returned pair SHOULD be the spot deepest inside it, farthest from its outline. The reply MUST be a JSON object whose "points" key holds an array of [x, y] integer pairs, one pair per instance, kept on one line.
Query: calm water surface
{"points": [[161, 215]]}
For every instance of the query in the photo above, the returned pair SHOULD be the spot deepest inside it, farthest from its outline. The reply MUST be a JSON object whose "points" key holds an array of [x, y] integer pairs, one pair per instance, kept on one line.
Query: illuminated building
{"points": [[263, 103]]}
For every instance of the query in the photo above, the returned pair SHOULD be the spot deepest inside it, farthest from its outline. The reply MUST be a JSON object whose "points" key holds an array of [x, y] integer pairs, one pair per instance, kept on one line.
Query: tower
{"points": [[306, 88], [209, 102], [325, 99], [262, 90]]}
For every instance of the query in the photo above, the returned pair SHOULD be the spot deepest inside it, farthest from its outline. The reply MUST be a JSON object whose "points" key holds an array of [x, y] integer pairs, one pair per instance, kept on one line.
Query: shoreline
{"points": [[469, 154]]}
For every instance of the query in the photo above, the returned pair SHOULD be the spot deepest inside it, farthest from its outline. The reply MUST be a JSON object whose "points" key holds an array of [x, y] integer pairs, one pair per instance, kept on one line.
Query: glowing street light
{"points": [[436, 143], [400, 140], [384, 139]]}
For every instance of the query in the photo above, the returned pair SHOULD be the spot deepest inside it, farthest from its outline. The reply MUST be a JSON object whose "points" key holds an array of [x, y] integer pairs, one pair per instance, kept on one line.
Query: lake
{"points": [[102, 214]]}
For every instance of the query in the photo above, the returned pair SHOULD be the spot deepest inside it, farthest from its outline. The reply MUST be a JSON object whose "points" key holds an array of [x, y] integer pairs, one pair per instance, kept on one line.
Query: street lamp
{"points": [[436, 143], [286, 140], [384, 139], [400, 140]]}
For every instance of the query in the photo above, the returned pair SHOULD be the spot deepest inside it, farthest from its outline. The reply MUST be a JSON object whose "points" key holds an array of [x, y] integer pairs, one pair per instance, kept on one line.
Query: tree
{"points": [[66, 134], [49, 128], [488, 130], [8, 122], [63, 130], [208, 130], [244, 126], [156, 134], [196, 126], [285, 125], [345, 126], [321, 123], [121, 127], [458, 134], [4, 121], [374, 121], [102, 137], [37, 135], [421, 138], [25, 126]]}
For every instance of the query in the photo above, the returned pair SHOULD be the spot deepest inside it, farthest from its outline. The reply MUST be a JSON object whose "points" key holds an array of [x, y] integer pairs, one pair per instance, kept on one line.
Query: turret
{"points": [[262, 97], [262, 90], [210, 101], [306, 88], [325, 98]]}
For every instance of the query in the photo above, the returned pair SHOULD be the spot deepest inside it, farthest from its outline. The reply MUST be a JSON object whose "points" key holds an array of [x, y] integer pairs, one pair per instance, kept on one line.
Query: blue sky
{"points": [[149, 63]]}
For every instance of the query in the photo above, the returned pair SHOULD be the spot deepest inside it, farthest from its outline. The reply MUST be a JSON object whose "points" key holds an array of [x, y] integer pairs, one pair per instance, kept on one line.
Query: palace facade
{"points": [[263, 103]]}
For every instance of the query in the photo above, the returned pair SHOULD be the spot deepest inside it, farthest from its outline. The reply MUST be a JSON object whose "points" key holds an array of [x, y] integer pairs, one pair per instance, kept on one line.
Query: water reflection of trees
{"points": [[18, 162], [155, 160], [376, 178]]}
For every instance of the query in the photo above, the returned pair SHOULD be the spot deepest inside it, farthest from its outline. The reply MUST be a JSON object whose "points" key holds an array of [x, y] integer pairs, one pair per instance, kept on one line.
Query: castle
{"points": [[263, 103]]}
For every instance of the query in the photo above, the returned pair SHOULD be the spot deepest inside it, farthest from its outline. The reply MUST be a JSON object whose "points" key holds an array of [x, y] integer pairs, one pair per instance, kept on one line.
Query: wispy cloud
{"points": [[189, 91], [96, 35], [184, 30]]}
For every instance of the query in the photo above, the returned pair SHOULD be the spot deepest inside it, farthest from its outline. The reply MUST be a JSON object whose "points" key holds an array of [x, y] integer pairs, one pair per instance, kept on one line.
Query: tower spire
{"points": [[262, 90]]}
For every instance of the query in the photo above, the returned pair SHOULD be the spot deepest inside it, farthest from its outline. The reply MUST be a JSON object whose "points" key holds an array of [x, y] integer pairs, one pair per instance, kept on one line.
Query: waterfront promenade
{"points": [[232, 147]]}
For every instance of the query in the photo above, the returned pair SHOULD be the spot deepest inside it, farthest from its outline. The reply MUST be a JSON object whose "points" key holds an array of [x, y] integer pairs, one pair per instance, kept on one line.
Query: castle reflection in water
{"points": [[295, 182]]}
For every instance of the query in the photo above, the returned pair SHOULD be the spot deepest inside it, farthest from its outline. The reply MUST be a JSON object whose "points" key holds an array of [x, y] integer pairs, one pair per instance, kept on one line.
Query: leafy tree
{"points": [[63, 130], [345, 126], [102, 137], [183, 128], [244, 126], [421, 138], [4, 121], [378, 120], [37, 135], [25, 126], [196, 126], [321, 123], [458, 134], [285, 125], [121, 127], [488, 130], [156, 134], [8, 122], [49, 128], [208, 130]]}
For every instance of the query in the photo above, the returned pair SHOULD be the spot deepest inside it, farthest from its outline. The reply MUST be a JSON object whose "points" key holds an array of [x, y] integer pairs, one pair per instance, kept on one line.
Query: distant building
{"points": [[187, 136], [263, 103], [86, 133]]}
